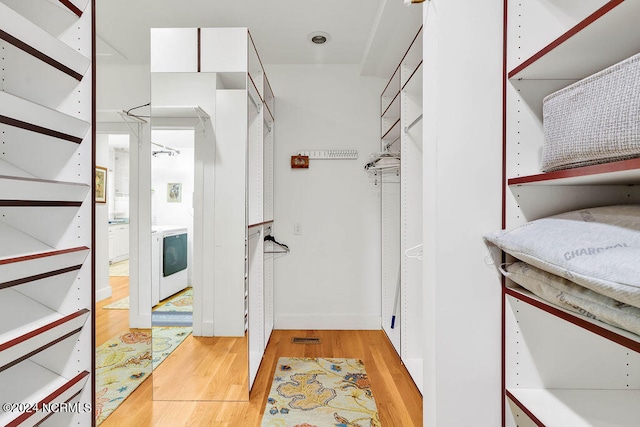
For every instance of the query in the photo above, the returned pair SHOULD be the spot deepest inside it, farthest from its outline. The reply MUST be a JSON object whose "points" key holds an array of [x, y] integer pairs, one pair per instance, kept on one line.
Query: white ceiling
{"points": [[372, 33]]}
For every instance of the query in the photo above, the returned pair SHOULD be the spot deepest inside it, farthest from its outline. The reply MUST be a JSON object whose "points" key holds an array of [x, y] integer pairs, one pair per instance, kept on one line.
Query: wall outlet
{"points": [[297, 229]]}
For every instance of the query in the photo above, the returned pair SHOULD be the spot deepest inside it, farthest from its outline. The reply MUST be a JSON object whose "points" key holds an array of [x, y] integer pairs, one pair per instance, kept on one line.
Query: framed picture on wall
{"points": [[101, 184], [174, 192]]}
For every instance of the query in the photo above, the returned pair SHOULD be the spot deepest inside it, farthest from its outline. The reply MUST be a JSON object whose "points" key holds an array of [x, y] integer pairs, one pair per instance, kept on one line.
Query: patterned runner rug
{"points": [[179, 302], [315, 392], [124, 362]]}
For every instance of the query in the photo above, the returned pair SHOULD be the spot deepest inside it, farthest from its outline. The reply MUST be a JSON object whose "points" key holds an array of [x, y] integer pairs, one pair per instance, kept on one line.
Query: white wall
{"points": [[331, 277], [103, 289], [173, 169]]}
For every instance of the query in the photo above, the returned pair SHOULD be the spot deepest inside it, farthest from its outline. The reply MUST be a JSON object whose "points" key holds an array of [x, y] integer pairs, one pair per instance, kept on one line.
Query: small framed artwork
{"points": [[174, 192], [101, 184], [299, 162]]}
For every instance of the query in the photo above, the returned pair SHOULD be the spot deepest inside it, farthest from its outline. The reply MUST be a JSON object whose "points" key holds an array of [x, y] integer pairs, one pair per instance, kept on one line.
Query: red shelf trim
{"points": [[623, 165], [38, 350], [42, 255], [39, 203], [39, 55], [72, 7], [402, 59], [390, 129], [390, 104], [39, 276], [566, 36], [50, 398], [524, 409], [39, 129], [414, 71], [42, 329], [264, 73], [598, 330], [260, 223]]}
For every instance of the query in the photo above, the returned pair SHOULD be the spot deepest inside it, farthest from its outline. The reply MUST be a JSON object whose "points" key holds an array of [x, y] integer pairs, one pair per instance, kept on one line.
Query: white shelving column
{"points": [[401, 207], [46, 210], [389, 181], [562, 368], [241, 200], [411, 210]]}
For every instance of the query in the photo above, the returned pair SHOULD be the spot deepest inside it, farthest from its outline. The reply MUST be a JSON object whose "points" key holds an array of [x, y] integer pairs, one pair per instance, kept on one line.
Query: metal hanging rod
{"points": [[406, 128]]}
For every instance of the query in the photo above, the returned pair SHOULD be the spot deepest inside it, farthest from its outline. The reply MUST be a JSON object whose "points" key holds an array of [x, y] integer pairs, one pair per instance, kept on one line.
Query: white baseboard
{"points": [[103, 293], [344, 322]]}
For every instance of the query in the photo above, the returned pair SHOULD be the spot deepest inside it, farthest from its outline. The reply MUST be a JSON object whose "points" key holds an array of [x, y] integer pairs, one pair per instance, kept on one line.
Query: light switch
{"points": [[297, 229]]}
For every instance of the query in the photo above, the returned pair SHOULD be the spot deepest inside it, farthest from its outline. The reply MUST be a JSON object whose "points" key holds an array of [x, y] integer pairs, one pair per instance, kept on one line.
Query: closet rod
{"points": [[406, 128]]}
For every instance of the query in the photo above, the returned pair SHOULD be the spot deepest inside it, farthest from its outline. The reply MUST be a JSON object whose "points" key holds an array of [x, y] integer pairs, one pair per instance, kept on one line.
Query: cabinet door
{"points": [[113, 253]]}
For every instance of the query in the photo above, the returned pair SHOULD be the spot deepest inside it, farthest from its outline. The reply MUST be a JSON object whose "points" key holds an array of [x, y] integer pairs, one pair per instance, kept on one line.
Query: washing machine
{"points": [[169, 272]]}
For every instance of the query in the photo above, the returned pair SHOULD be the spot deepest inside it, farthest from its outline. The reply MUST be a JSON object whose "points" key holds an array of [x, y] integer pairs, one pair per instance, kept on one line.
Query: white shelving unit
{"points": [[46, 209], [562, 368], [242, 107], [401, 199]]}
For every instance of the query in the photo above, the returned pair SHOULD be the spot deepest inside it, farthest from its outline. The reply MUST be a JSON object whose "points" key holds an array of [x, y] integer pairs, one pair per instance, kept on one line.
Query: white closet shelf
{"points": [[392, 134], [33, 40], [34, 337], [578, 408], [179, 112], [21, 269], [253, 87], [19, 112], [620, 336], [20, 191], [392, 111], [613, 173], [22, 317], [32, 383], [602, 39]]}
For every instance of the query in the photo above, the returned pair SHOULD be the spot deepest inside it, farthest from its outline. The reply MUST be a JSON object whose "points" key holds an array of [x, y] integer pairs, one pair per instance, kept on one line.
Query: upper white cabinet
{"points": [[562, 368], [46, 209]]}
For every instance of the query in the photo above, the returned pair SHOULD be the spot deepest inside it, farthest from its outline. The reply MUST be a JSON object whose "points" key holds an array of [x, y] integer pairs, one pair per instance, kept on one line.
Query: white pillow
{"points": [[598, 248], [573, 297]]}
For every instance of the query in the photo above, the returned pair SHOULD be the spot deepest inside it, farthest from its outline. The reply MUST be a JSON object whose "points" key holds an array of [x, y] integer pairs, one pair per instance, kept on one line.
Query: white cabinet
{"points": [[118, 242], [46, 201], [561, 368]]}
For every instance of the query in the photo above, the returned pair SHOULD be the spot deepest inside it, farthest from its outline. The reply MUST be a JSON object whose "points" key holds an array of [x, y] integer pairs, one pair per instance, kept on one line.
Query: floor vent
{"points": [[305, 340]]}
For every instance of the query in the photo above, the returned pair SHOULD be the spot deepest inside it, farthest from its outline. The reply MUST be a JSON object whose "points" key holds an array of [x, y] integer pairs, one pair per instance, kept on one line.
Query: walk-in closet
{"points": [[364, 212]]}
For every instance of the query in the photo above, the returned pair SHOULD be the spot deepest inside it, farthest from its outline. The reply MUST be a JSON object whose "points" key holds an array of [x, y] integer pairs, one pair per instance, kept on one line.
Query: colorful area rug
{"points": [[314, 392], [182, 301], [119, 268], [121, 304], [124, 362]]}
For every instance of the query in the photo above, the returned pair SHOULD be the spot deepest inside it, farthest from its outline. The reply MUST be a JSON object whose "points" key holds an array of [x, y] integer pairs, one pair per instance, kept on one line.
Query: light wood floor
{"points": [[398, 400]]}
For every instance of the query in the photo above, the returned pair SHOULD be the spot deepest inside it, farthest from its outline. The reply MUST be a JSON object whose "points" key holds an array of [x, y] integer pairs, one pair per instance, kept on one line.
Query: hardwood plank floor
{"points": [[399, 401]]}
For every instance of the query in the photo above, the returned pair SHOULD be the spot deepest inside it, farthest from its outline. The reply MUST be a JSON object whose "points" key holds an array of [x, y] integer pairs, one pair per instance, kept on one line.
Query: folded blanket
{"points": [[573, 297]]}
